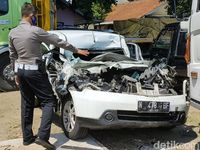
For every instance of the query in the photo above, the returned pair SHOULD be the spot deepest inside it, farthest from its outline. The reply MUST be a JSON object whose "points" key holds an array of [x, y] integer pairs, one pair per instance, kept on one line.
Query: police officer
{"points": [[31, 76]]}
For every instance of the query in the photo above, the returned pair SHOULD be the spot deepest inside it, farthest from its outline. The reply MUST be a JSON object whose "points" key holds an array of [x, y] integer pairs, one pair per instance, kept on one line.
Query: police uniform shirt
{"points": [[25, 41]]}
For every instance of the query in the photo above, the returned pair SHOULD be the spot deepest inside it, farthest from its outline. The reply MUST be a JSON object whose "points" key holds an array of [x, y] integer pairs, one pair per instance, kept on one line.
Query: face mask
{"points": [[34, 20]]}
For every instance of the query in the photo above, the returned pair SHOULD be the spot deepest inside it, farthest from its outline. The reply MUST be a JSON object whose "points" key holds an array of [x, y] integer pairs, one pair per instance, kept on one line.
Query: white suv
{"points": [[112, 90]]}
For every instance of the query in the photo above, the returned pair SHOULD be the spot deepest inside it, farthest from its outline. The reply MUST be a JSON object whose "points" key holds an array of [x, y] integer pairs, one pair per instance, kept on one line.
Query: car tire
{"points": [[71, 128], [4, 84]]}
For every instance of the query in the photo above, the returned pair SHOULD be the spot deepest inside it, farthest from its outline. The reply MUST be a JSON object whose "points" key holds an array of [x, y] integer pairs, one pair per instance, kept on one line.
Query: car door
{"points": [[194, 66]]}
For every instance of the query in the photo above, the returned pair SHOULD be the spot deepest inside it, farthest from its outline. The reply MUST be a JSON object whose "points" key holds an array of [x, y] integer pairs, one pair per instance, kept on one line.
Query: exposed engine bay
{"points": [[112, 72]]}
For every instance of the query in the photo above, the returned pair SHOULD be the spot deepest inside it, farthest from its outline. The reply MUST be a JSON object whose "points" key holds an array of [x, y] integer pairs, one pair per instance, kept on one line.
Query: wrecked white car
{"points": [[110, 90]]}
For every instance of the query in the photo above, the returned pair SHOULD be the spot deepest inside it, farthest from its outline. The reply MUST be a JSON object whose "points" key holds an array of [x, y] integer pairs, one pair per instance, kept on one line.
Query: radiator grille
{"points": [[133, 115]]}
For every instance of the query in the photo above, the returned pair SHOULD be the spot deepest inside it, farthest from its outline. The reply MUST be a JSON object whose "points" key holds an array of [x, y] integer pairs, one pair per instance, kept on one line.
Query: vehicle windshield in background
{"points": [[164, 41], [3, 7], [170, 42], [163, 44]]}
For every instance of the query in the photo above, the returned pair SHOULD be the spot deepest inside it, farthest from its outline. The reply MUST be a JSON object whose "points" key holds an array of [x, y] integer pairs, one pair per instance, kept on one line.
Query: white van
{"points": [[193, 54]]}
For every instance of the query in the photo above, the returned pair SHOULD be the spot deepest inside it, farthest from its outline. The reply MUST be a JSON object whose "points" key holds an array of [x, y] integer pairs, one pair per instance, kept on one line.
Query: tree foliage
{"points": [[99, 13], [94, 9], [183, 7]]}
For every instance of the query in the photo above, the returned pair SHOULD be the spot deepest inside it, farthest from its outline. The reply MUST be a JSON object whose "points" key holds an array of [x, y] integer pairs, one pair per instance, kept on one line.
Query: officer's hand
{"points": [[17, 80], [83, 52]]}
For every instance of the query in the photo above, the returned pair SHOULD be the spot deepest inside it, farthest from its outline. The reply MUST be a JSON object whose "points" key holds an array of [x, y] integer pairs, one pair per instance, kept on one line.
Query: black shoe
{"points": [[30, 141], [45, 144]]}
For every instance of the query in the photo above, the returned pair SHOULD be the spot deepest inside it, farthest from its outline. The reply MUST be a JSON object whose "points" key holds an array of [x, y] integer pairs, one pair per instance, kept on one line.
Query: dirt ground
{"points": [[124, 139], [10, 127]]}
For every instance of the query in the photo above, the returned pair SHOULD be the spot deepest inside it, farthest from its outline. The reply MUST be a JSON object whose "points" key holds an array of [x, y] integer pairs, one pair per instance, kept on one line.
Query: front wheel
{"points": [[71, 127]]}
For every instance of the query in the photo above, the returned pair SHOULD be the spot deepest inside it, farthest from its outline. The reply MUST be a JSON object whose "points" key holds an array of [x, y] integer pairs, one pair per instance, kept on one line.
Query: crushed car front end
{"points": [[113, 90], [124, 93]]}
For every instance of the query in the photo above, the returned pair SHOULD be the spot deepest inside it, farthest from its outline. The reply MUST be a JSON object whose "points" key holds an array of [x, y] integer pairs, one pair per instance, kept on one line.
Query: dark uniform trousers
{"points": [[35, 83]]}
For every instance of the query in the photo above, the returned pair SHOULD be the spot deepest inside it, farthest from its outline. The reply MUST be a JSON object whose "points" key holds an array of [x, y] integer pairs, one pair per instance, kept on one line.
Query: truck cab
{"points": [[193, 54], [170, 44], [9, 17]]}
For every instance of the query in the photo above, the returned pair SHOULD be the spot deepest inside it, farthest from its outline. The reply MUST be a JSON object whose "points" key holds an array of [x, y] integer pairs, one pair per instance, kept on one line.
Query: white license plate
{"points": [[153, 107]]}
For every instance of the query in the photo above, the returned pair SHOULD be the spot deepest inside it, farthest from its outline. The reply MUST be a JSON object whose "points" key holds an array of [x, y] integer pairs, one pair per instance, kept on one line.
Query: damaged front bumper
{"points": [[98, 109], [138, 121]]}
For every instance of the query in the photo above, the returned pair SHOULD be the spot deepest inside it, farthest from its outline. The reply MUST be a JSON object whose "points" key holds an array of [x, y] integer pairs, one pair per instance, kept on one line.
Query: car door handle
{"points": [[194, 75]]}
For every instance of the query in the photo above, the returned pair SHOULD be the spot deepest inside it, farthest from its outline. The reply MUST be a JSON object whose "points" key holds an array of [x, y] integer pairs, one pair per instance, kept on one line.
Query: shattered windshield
{"points": [[95, 42]]}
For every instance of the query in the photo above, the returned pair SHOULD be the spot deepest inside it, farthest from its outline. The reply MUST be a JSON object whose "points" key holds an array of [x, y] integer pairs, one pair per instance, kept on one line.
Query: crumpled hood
{"points": [[108, 60], [97, 67]]}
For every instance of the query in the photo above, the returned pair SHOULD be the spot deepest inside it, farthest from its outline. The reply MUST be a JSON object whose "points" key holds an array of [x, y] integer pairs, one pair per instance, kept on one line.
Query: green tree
{"points": [[94, 9], [183, 7], [99, 13]]}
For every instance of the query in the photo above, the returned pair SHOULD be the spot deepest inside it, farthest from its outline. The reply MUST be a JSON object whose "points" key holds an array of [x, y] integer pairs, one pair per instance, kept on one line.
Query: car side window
{"points": [[165, 39], [3, 7]]}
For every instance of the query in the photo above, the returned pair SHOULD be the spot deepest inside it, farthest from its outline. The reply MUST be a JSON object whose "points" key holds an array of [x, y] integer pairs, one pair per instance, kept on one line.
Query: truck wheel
{"points": [[4, 84], [71, 128]]}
